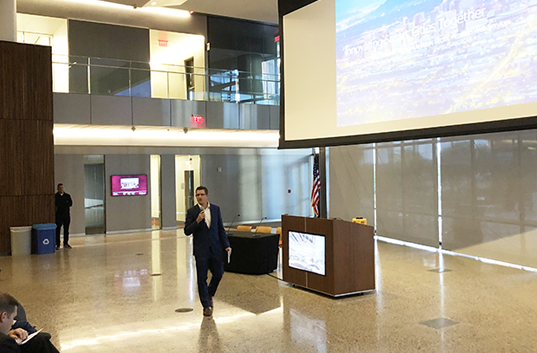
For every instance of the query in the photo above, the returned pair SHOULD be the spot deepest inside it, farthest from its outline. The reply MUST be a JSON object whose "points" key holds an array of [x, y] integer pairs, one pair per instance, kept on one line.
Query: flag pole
{"points": [[323, 206], [315, 187]]}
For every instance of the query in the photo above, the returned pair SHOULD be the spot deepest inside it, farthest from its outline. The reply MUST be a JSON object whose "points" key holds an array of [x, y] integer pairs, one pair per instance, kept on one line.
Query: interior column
{"points": [[8, 20]]}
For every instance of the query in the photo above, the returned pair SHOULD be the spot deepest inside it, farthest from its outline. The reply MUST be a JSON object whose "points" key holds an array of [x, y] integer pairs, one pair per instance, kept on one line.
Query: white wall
{"points": [[32, 28], [171, 58], [252, 182], [155, 186], [60, 58]]}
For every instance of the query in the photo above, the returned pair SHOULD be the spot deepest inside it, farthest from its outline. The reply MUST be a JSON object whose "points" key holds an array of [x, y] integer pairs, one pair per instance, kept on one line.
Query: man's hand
{"points": [[228, 251], [18, 334], [201, 216]]}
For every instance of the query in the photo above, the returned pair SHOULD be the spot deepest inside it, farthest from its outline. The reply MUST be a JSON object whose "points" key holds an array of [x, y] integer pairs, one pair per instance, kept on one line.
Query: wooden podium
{"points": [[349, 256]]}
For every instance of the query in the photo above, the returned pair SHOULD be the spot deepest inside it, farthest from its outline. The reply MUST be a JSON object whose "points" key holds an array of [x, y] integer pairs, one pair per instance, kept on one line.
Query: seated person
{"points": [[11, 339], [22, 322]]}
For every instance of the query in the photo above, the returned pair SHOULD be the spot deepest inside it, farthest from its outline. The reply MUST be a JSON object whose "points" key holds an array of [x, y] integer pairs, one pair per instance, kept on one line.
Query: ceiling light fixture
{"points": [[165, 2], [105, 4], [164, 11], [92, 135]]}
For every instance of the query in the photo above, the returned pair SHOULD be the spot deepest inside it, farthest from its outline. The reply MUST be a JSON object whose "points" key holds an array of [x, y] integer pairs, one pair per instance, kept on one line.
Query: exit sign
{"points": [[197, 119]]}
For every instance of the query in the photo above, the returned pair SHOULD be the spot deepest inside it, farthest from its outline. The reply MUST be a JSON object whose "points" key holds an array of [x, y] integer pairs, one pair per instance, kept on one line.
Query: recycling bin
{"points": [[20, 240], [44, 238]]}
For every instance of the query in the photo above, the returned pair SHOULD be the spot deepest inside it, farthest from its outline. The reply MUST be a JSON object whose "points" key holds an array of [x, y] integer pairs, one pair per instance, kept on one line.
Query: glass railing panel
{"points": [[177, 85], [125, 78], [140, 82], [110, 81], [159, 84], [198, 91]]}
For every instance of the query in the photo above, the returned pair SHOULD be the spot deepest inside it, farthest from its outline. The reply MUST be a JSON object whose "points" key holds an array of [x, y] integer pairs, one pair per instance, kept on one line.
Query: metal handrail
{"points": [[95, 76], [275, 77]]}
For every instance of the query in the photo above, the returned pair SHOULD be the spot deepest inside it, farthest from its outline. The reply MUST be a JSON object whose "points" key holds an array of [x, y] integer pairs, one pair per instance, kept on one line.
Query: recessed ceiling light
{"points": [[154, 3]]}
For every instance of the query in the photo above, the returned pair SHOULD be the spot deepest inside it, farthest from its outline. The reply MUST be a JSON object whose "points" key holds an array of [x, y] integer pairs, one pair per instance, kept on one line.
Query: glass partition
{"points": [[474, 195], [111, 77]]}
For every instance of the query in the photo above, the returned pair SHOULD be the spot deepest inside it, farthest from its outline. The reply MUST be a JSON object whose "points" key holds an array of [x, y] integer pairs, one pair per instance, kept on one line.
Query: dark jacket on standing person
{"points": [[207, 241], [63, 202]]}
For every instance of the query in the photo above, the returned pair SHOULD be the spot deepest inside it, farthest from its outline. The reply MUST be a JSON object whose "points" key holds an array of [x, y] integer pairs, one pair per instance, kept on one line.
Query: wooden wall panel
{"points": [[26, 140], [26, 75]]}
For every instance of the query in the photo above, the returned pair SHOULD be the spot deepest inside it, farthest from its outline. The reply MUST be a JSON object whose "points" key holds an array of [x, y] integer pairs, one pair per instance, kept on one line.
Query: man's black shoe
{"points": [[67, 246]]}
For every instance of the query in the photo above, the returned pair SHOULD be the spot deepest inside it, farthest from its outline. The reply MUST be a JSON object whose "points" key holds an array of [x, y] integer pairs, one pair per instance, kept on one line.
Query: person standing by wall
{"points": [[63, 203], [204, 221]]}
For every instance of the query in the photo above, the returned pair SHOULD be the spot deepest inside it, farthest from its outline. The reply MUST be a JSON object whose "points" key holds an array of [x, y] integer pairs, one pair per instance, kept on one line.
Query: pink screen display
{"points": [[129, 185]]}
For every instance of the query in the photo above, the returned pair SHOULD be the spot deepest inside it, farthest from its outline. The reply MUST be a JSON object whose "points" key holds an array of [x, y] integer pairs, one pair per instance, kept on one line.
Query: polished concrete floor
{"points": [[120, 294]]}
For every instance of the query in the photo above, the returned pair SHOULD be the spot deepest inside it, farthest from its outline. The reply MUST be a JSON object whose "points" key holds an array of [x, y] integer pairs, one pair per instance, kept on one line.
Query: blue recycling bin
{"points": [[44, 238]]}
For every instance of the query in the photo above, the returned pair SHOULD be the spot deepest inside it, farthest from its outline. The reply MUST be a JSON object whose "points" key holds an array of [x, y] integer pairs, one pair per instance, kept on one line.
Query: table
{"points": [[252, 253]]}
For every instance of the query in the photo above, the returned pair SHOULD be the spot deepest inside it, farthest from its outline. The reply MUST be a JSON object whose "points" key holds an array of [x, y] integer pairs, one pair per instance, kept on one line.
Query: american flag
{"points": [[315, 189]]}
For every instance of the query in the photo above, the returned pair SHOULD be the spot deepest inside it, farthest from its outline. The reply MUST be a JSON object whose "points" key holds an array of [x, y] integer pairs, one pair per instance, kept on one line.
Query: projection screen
{"points": [[382, 70]]}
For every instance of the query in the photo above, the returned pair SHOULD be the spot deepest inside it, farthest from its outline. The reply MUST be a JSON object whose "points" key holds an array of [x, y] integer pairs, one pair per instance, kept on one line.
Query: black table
{"points": [[252, 253]]}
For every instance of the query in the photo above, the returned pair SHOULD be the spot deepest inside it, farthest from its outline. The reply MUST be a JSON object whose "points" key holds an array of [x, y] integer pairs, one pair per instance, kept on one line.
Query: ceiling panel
{"points": [[254, 10]]}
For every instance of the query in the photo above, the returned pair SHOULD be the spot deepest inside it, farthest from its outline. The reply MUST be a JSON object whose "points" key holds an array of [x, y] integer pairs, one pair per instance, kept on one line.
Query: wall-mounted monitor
{"points": [[129, 185], [387, 70], [307, 252]]}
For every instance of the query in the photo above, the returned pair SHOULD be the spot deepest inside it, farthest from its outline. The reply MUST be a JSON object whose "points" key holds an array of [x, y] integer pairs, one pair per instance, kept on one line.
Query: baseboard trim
{"points": [[129, 231]]}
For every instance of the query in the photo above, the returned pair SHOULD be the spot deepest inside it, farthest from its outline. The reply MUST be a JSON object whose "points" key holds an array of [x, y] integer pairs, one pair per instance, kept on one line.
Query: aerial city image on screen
{"points": [[401, 59]]}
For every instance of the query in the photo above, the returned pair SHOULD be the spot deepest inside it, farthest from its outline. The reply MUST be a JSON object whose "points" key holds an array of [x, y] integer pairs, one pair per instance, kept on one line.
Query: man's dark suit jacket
{"points": [[208, 242], [8, 344], [38, 344]]}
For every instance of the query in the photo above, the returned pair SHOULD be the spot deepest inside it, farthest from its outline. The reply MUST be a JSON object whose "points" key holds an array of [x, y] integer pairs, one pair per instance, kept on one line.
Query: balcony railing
{"points": [[83, 75]]}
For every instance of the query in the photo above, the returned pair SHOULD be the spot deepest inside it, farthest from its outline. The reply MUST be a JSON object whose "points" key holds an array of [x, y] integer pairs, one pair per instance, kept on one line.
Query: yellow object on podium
{"points": [[360, 220]]}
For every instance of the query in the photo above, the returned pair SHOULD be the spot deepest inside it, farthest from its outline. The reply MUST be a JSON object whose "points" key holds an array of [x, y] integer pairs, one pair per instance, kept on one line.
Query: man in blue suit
{"points": [[204, 221]]}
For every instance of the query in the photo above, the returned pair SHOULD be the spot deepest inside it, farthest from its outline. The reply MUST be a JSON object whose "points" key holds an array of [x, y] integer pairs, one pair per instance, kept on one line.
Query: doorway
{"points": [[94, 194], [189, 73], [187, 179], [156, 197]]}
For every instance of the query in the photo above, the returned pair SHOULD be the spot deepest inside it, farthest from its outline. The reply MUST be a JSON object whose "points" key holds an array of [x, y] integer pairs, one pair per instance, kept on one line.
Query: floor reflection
{"points": [[307, 332], [100, 297], [208, 340]]}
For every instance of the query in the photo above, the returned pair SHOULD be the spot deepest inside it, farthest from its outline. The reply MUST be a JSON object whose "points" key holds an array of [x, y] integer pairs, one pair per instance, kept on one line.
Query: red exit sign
{"points": [[197, 119], [162, 43]]}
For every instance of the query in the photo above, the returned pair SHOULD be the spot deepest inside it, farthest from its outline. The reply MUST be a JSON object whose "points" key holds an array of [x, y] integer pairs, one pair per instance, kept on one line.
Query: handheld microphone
{"points": [[233, 221], [202, 210], [259, 224]]}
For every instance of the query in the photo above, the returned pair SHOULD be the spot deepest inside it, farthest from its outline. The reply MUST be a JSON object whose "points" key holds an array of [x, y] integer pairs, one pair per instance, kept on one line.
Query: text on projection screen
{"points": [[400, 59]]}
